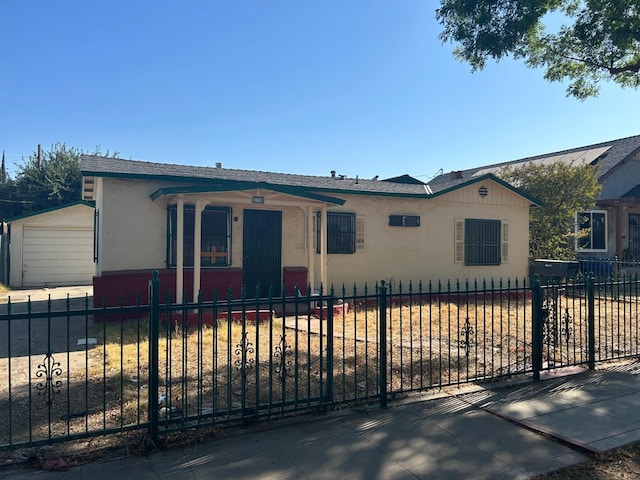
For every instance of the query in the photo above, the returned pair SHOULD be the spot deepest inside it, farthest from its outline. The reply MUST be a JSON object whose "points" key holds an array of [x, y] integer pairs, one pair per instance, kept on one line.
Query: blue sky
{"points": [[363, 88]]}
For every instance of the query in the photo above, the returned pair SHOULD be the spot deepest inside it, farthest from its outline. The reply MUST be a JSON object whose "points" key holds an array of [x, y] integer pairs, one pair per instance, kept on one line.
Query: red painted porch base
{"points": [[192, 318], [131, 287]]}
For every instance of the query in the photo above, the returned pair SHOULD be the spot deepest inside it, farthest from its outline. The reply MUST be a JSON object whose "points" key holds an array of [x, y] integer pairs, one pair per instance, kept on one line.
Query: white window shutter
{"points": [[504, 242], [359, 233], [459, 241]]}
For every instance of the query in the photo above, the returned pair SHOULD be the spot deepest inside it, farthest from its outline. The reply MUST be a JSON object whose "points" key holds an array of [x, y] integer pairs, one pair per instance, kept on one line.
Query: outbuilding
{"points": [[53, 247]]}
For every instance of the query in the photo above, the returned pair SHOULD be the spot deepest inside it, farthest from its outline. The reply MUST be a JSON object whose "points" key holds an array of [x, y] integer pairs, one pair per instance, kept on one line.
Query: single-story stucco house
{"points": [[614, 224], [53, 247], [260, 229]]}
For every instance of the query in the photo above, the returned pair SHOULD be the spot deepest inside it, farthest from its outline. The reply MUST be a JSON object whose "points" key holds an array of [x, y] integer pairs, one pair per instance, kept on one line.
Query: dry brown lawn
{"points": [[231, 371]]}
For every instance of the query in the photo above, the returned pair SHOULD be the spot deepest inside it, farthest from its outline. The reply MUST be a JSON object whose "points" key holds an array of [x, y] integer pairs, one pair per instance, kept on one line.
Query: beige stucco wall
{"points": [[427, 252], [134, 227], [134, 232]]}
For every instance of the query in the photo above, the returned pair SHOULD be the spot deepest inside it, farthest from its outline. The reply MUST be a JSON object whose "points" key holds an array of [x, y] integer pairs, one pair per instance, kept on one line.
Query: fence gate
{"points": [[563, 324]]}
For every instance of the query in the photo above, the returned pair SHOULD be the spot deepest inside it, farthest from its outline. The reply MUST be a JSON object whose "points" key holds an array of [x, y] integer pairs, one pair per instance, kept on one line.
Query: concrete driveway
{"points": [[23, 336], [43, 294]]}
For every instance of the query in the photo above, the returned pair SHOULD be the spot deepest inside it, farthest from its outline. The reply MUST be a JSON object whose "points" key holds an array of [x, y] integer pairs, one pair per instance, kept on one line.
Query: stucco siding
{"points": [[294, 249], [134, 232], [427, 252], [133, 227]]}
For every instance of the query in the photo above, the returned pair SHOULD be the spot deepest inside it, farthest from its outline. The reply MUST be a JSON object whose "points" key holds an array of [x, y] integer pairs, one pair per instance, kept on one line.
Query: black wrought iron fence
{"points": [[584, 322], [69, 371], [608, 268]]}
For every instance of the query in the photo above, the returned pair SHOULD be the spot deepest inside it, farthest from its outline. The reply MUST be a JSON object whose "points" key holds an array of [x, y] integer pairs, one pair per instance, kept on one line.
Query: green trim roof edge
{"points": [[229, 187]]}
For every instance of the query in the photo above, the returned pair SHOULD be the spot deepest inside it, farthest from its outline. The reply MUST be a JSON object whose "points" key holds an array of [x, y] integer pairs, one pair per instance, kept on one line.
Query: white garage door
{"points": [[57, 256]]}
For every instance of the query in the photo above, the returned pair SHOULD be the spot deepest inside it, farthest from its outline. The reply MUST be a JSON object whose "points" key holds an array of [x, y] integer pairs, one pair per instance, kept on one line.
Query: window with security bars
{"points": [[481, 242], [215, 236], [404, 220], [341, 232]]}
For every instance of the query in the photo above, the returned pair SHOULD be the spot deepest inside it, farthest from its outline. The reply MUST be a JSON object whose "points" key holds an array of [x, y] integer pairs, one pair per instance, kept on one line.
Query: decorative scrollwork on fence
{"points": [[243, 350], [567, 328], [49, 370], [282, 365], [466, 342], [550, 316]]}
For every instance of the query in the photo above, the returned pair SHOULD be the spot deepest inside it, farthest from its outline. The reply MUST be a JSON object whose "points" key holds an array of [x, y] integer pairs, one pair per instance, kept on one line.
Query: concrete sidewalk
{"points": [[496, 433]]}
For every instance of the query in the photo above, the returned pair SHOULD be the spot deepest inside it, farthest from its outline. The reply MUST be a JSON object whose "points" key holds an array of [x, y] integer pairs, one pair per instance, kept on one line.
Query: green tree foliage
{"points": [[40, 184], [51, 181], [562, 190], [582, 41]]}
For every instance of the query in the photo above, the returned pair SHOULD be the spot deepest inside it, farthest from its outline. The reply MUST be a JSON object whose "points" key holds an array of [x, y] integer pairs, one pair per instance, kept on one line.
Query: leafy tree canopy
{"points": [[563, 190], [582, 41], [51, 181]]}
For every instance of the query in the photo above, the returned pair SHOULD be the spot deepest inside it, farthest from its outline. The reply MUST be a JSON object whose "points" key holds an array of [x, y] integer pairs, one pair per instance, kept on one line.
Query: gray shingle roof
{"points": [[633, 193], [91, 165], [618, 151]]}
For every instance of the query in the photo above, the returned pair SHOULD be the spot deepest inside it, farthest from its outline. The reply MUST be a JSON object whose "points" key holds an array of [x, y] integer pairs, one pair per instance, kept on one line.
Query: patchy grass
{"points": [[4, 291]]}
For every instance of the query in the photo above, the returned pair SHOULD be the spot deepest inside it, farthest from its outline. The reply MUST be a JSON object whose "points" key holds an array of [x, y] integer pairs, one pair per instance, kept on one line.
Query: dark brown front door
{"points": [[262, 257]]}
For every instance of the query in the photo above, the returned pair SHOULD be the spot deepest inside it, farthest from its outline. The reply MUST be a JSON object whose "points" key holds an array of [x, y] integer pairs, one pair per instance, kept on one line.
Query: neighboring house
{"points": [[260, 229], [53, 247], [614, 225]]}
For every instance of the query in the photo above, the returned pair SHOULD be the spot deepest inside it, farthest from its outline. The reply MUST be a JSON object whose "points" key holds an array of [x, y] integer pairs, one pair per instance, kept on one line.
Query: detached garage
{"points": [[53, 247]]}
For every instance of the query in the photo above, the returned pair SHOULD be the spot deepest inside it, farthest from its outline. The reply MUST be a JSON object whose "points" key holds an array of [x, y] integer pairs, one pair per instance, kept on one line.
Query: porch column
{"points": [[179, 250], [310, 249], [197, 246], [98, 229], [323, 248]]}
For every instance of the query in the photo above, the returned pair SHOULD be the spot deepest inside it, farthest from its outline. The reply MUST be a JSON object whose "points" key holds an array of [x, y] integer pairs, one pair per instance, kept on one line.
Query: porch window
{"points": [[215, 237], [592, 227], [341, 232], [480, 242]]}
